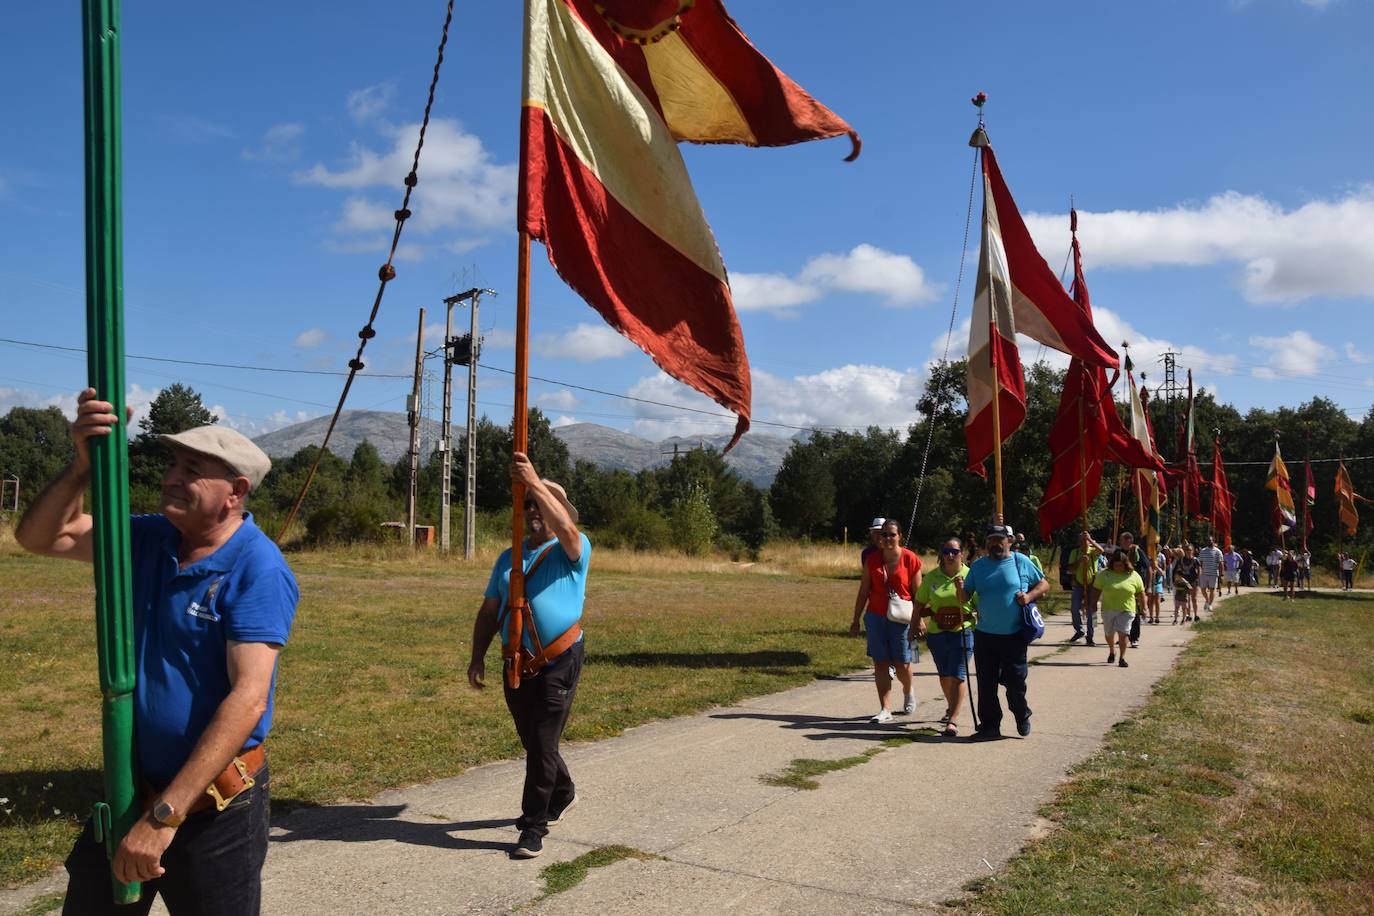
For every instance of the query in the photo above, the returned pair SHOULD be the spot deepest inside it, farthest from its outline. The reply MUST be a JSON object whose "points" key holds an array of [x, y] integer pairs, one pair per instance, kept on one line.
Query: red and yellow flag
{"points": [[610, 88], [1345, 499], [1285, 513], [1016, 293]]}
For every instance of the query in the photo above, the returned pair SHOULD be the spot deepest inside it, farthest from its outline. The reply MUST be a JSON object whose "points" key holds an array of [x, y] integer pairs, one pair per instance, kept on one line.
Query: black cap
{"points": [[999, 531]]}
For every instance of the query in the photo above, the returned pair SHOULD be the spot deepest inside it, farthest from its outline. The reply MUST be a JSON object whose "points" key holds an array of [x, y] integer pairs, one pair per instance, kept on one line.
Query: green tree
{"points": [[35, 445], [803, 492], [694, 524], [176, 409], [547, 453]]}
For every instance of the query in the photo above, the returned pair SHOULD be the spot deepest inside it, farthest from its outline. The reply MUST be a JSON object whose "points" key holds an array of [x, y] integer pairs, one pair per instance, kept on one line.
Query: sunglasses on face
{"points": [[950, 551], [531, 504]]}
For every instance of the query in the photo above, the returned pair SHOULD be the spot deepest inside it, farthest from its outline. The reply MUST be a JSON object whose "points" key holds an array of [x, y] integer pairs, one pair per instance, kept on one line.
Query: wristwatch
{"points": [[166, 815]]}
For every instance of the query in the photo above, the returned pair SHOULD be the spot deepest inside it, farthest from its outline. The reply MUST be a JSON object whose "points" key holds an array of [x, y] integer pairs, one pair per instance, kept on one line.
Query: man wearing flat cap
{"points": [[1005, 582], [213, 603], [555, 557]]}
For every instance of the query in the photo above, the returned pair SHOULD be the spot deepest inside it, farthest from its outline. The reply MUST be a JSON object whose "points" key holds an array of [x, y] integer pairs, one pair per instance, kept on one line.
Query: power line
{"points": [[193, 362]]}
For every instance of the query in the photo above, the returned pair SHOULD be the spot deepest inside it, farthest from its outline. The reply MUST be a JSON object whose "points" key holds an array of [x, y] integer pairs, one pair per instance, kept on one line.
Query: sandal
{"points": [[951, 730], [944, 720]]}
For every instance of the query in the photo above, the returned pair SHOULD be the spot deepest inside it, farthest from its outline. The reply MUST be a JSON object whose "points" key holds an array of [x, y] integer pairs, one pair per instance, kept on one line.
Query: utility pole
{"points": [[460, 351], [1172, 392], [470, 469], [413, 416]]}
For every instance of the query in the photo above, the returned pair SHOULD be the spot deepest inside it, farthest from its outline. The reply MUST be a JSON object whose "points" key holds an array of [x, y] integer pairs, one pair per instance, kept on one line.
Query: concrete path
{"points": [[875, 838]]}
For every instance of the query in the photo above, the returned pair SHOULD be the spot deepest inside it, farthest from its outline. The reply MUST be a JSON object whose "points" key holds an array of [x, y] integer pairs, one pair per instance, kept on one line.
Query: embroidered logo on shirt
{"points": [[205, 611]]}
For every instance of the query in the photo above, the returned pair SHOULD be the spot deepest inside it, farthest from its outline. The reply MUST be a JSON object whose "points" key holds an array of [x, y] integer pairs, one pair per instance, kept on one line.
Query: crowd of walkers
{"points": [[979, 603]]}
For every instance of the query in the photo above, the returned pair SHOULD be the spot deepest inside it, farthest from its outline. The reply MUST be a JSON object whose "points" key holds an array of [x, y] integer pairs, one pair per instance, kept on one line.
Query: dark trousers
{"points": [[1000, 660], [1135, 626], [540, 708], [214, 865]]}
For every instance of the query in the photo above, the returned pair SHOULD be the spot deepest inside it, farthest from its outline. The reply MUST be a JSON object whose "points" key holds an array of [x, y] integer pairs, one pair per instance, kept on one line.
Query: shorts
{"points": [[1233, 576], [1159, 585], [887, 641], [950, 650], [1207, 581], [1117, 622]]}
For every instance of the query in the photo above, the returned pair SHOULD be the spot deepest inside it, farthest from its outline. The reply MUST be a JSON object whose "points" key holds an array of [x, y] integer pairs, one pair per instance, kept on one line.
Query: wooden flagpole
{"points": [[520, 443]]}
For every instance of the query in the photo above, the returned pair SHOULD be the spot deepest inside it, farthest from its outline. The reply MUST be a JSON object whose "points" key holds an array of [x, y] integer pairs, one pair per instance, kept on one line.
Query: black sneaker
{"points": [[986, 734], [1123, 664], [1111, 657], [530, 845], [556, 816], [1090, 644], [1075, 637], [1023, 726]]}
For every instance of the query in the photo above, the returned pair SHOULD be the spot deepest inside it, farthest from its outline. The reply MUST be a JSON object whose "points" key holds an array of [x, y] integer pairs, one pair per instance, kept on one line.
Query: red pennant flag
{"points": [[610, 88], [1222, 500], [1087, 430]]}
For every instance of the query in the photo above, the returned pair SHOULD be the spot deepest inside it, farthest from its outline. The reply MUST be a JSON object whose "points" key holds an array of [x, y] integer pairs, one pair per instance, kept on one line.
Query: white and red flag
{"points": [[610, 88], [1016, 293]]}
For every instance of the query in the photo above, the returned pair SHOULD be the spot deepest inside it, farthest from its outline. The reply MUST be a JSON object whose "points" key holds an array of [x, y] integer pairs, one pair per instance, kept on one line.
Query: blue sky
{"points": [[1216, 150]]}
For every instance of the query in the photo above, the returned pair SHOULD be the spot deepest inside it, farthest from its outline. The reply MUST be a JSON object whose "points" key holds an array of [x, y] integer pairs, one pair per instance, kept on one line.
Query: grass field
{"points": [[372, 689], [1245, 785]]}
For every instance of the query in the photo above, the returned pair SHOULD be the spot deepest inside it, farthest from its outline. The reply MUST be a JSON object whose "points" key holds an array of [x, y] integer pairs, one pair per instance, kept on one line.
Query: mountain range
{"points": [[757, 457]]}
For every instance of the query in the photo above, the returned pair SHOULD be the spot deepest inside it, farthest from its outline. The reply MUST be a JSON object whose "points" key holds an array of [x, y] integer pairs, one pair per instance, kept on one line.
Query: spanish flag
{"points": [[610, 88], [1285, 514]]}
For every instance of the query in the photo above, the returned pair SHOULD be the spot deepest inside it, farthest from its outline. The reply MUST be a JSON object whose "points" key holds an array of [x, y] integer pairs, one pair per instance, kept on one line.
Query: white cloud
{"points": [[406, 251], [368, 103], [866, 269], [1354, 355], [311, 338], [499, 339], [280, 143], [1294, 356], [846, 396], [1322, 248], [558, 399], [585, 343], [463, 246], [770, 292], [258, 426], [1145, 351], [459, 184], [563, 420]]}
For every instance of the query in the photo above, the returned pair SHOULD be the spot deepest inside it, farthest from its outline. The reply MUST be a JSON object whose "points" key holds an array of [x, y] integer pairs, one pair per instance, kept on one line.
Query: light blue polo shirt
{"points": [[183, 621], [556, 591], [996, 583]]}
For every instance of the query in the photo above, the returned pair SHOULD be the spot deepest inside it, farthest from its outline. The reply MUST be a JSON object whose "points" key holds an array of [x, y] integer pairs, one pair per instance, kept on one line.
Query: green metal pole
{"points": [[110, 454]]}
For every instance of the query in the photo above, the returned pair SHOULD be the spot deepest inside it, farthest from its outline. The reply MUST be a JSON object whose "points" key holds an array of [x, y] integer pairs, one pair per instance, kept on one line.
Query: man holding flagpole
{"points": [[554, 558]]}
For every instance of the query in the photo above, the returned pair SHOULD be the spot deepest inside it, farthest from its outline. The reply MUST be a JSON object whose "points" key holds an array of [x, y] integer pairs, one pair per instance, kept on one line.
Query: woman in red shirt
{"points": [[889, 569]]}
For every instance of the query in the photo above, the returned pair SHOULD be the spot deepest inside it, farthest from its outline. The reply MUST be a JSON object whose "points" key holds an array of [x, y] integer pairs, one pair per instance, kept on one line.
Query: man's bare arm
{"points": [[55, 525], [484, 630], [555, 516]]}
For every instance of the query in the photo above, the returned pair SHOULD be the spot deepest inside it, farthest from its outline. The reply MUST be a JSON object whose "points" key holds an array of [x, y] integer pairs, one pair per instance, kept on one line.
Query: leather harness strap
{"points": [[520, 661]]}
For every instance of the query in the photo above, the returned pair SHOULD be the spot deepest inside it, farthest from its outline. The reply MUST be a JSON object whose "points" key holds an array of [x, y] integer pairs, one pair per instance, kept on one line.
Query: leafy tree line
{"points": [[829, 484], [836, 482], [694, 504]]}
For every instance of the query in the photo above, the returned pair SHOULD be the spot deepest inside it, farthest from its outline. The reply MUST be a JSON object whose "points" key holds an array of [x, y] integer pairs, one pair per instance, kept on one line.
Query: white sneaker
{"points": [[891, 671], [881, 717], [908, 704]]}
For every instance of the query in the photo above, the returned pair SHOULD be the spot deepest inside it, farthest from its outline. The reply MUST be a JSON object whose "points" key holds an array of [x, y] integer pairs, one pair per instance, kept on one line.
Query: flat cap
{"points": [[227, 445]]}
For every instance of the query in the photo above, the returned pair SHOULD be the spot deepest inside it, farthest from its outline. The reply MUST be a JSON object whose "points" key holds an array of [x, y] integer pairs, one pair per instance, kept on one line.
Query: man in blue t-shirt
{"points": [[1004, 582], [213, 603], [555, 557]]}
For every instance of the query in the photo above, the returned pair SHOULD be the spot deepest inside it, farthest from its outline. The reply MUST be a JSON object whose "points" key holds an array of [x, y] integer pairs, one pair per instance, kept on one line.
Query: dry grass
{"points": [[372, 690], [1246, 784]]}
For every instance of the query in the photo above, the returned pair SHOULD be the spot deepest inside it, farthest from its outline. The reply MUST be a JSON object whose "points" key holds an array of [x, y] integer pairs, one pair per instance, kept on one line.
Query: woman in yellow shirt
{"points": [[948, 628], [1123, 596]]}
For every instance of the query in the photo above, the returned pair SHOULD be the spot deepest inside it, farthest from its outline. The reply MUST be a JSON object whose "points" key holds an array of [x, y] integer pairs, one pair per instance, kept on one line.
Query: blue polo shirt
{"points": [[996, 583], [183, 621], [556, 591]]}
